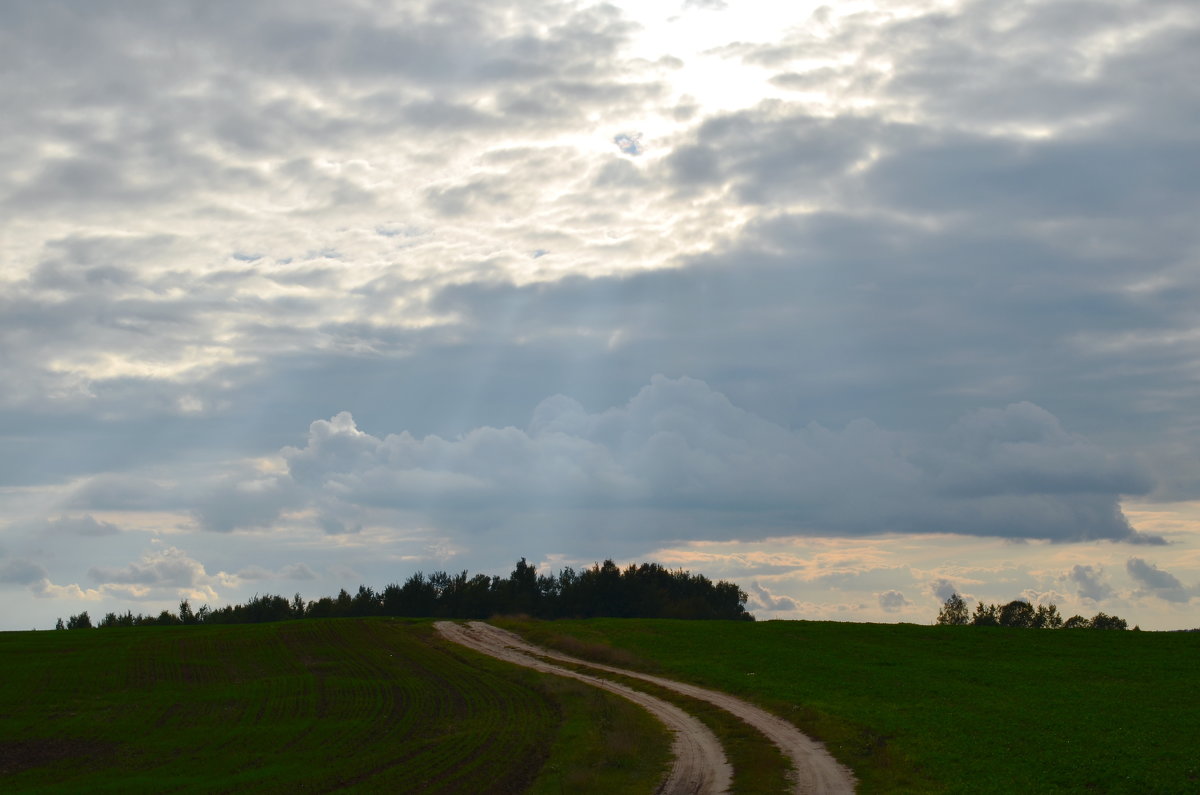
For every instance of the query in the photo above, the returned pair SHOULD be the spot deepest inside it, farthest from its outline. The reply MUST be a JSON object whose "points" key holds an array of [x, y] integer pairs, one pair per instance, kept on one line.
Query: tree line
{"points": [[646, 590], [1021, 614]]}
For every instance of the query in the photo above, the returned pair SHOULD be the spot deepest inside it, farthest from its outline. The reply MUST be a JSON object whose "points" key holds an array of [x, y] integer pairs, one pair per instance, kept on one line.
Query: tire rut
{"points": [[700, 766], [814, 770]]}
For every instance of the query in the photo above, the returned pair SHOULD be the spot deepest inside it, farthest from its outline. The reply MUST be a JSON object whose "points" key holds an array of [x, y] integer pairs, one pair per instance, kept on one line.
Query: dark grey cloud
{"points": [[1153, 581], [85, 525], [678, 450], [769, 154], [18, 571], [242, 503]]}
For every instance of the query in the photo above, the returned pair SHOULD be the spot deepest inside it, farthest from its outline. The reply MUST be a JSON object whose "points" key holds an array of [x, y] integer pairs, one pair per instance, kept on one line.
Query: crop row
{"points": [[311, 706], [945, 708]]}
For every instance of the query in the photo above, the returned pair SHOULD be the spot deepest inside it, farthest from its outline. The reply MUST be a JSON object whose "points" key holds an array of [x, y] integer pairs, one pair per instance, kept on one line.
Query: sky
{"points": [[856, 305]]}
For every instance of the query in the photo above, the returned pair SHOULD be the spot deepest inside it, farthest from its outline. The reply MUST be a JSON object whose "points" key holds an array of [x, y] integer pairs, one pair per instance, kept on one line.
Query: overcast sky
{"points": [[855, 305]]}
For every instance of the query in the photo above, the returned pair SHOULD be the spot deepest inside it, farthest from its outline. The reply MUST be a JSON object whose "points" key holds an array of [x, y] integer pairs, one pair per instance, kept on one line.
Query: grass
{"points": [[310, 706], [605, 744], [383, 705], [956, 709]]}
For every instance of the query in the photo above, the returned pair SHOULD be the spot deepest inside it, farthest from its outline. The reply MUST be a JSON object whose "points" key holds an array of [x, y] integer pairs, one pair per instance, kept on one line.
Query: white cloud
{"points": [[167, 567], [763, 599]]}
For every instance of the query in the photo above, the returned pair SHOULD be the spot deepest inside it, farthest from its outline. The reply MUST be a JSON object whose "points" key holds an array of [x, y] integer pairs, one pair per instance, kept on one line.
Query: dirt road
{"points": [[815, 770], [700, 766]]}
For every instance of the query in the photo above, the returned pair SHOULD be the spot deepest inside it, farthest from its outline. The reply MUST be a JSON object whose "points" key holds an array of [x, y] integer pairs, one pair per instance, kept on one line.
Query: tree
{"points": [[954, 611], [985, 615], [1017, 613], [81, 621], [1105, 621], [1047, 617], [523, 588], [1077, 622], [59, 625]]}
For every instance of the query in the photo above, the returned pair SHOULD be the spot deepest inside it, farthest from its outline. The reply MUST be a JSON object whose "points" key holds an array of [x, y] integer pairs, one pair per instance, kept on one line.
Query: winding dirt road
{"points": [[700, 764]]}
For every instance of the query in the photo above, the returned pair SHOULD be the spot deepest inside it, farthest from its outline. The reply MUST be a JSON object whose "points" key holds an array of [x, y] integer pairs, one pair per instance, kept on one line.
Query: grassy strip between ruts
{"points": [[346, 704], [961, 709], [604, 745], [759, 767]]}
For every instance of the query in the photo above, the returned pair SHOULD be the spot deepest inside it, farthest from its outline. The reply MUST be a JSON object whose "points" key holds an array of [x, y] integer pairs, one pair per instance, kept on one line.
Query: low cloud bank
{"points": [[679, 460]]}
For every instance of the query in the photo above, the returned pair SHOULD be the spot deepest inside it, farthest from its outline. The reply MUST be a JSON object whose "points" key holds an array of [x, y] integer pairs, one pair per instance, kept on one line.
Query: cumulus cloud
{"points": [[1090, 583], [943, 589], [683, 453], [1153, 581], [763, 599], [168, 567], [892, 601]]}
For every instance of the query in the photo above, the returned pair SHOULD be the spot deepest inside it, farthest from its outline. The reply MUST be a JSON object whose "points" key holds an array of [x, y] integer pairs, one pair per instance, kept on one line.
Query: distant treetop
{"points": [[646, 590]]}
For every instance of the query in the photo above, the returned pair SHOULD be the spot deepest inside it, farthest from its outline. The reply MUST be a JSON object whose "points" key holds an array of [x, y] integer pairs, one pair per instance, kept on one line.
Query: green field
{"points": [[304, 706], [958, 709], [386, 705]]}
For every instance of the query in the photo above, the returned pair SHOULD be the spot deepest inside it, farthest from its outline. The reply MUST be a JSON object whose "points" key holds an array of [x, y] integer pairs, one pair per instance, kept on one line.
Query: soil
{"points": [[700, 765]]}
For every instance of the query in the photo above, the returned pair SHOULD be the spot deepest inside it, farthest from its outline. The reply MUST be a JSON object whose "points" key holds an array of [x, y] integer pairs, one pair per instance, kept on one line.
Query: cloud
{"points": [[21, 572], [243, 503], [938, 275], [762, 599], [943, 589], [85, 525], [1090, 583], [297, 571], [629, 143], [682, 454], [892, 601], [1153, 581], [169, 567]]}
